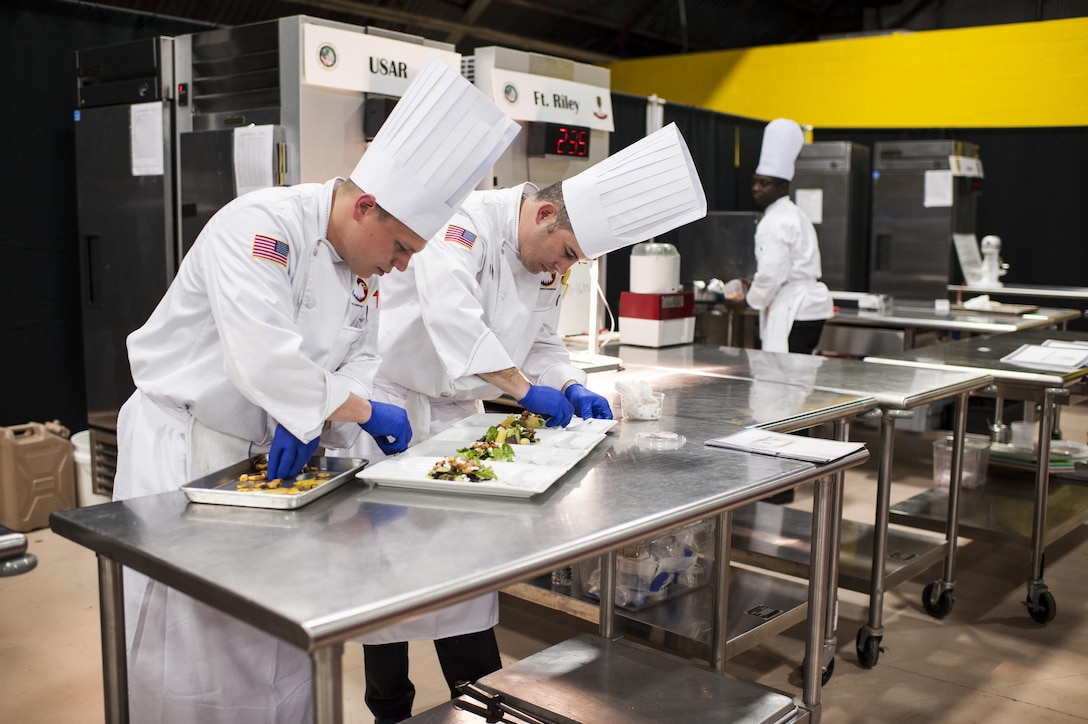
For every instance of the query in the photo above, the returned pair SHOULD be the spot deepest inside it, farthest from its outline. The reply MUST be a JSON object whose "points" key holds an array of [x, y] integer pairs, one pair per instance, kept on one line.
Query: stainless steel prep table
{"points": [[717, 406], [912, 318], [997, 512], [1069, 294], [362, 557], [876, 558]]}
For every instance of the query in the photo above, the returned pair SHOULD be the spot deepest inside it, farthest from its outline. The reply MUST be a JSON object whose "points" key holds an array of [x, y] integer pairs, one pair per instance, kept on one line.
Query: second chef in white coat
{"points": [[792, 301], [476, 316]]}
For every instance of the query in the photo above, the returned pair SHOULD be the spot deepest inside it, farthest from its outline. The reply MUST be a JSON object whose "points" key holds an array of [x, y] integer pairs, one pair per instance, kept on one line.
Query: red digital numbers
{"points": [[571, 141]]}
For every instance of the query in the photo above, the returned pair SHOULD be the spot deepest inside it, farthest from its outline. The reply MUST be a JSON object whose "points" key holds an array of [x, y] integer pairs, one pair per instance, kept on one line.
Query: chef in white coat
{"points": [[267, 340], [786, 289], [476, 315]]}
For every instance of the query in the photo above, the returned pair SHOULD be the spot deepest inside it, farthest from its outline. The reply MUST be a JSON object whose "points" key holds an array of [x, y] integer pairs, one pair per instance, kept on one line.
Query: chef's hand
{"points": [[548, 402], [288, 454], [389, 426], [588, 404]]}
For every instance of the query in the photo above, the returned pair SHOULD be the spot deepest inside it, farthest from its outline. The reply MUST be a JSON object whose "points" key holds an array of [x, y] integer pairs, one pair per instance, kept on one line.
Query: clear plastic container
{"points": [[655, 268], [657, 569], [976, 460]]}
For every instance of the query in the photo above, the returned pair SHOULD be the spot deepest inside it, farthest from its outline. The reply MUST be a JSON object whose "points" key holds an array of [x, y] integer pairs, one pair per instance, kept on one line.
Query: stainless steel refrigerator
{"points": [[923, 193], [832, 183], [126, 199]]}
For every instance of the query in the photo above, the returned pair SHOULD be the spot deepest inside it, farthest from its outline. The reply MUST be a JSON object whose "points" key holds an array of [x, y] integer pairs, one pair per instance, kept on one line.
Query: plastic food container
{"points": [[976, 459], [657, 569]]}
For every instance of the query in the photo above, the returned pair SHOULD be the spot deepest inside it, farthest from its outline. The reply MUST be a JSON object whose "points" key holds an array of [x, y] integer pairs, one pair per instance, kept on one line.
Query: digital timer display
{"points": [[558, 139]]}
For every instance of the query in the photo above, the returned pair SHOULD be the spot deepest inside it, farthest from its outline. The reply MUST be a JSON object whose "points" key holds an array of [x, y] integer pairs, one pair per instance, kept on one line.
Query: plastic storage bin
{"points": [[36, 475], [976, 459], [85, 495], [657, 569]]}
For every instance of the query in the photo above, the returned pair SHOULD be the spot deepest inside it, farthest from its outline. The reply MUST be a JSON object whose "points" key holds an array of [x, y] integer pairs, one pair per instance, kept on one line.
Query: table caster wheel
{"points": [[1043, 610], [869, 649], [825, 675], [942, 606]]}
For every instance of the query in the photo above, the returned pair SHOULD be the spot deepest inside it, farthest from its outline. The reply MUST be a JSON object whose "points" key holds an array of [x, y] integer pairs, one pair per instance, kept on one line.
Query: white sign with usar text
{"points": [[348, 60]]}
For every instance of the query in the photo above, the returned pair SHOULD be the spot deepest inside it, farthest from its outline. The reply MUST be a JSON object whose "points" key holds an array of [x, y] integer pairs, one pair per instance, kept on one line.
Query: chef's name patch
{"points": [[460, 235], [269, 249]]}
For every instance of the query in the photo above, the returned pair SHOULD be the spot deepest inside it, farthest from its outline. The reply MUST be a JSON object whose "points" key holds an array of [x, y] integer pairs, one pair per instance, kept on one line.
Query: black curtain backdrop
{"points": [[42, 368]]}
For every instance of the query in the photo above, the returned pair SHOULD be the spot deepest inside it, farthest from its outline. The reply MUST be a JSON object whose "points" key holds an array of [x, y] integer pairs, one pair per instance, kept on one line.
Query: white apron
{"points": [[187, 662], [776, 319], [427, 420]]}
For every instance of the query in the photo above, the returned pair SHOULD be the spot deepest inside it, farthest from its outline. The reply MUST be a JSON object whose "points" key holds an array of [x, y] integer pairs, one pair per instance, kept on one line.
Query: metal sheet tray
{"points": [[220, 487]]}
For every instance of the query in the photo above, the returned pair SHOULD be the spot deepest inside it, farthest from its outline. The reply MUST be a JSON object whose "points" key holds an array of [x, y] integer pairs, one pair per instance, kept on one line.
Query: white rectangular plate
{"points": [[535, 467]]}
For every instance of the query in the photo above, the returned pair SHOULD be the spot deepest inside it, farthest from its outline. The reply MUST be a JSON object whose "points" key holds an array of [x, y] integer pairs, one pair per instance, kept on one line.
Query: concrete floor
{"points": [[986, 662]]}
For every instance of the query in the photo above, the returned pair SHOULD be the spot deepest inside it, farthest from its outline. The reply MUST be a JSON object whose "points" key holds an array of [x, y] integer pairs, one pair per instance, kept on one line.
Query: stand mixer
{"points": [[992, 267]]}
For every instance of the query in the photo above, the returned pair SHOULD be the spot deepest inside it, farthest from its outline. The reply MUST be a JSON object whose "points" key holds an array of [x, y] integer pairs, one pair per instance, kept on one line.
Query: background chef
{"points": [[476, 315], [268, 336], [792, 301]]}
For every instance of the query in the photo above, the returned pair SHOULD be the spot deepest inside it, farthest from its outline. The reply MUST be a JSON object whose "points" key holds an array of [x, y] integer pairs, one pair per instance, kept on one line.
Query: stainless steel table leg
{"points": [[723, 534], [607, 608], [937, 597], [870, 635], [328, 684], [1040, 602], [823, 546], [111, 607], [831, 619]]}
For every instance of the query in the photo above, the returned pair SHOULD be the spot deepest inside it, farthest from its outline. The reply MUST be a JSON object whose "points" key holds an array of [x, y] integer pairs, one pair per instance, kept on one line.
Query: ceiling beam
{"points": [[364, 10]]}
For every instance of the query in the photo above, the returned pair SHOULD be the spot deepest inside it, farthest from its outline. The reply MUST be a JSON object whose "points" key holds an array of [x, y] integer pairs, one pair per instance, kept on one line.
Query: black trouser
{"points": [[804, 336], [389, 691]]}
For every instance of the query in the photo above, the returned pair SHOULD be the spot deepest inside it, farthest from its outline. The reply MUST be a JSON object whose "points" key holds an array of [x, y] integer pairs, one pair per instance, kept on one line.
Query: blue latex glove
{"points": [[289, 454], [389, 426], [548, 402], [588, 404]]}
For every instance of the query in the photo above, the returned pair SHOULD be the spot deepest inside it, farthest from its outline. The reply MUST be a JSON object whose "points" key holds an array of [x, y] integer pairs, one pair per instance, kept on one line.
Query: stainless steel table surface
{"points": [[866, 565], [892, 388], [365, 557], [921, 316], [1042, 291], [983, 354]]}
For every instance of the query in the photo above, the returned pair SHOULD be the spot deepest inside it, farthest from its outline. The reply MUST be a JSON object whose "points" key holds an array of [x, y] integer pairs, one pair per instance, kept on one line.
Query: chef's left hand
{"points": [[288, 454], [588, 404]]}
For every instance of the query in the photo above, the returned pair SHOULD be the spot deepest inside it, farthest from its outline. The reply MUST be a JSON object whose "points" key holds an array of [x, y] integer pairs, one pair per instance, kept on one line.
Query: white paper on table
{"points": [[252, 158], [783, 445], [811, 201], [146, 144], [1048, 357], [938, 189]]}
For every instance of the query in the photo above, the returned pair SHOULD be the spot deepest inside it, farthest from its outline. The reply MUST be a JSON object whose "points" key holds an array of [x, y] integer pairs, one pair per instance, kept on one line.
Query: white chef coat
{"points": [[786, 286], [251, 333], [466, 304]]}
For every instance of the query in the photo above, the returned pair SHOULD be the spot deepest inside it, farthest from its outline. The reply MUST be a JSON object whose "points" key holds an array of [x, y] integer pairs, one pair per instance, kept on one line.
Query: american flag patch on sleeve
{"points": [[457, 235], [269, 249]]}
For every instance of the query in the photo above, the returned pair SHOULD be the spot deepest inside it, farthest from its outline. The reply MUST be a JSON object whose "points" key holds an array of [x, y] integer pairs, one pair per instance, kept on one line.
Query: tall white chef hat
{"points": [[439, 141], [782, 141], [646, 189]]}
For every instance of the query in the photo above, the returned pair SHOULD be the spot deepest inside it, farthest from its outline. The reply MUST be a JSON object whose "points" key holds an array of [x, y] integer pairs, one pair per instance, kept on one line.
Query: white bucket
{"points": [[85, 495]]}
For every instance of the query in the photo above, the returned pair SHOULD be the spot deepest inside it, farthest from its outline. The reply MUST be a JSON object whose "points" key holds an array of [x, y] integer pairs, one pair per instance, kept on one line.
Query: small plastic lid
{"points": [[660, 440]]}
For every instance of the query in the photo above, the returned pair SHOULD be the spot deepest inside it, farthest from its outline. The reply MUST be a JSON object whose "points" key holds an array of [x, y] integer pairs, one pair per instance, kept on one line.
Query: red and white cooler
{"points": [[657, 320]]}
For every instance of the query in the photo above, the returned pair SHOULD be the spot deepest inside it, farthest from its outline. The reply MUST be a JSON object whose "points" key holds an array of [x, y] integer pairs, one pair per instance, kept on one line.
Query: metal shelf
{"points": [[759, 606]]}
